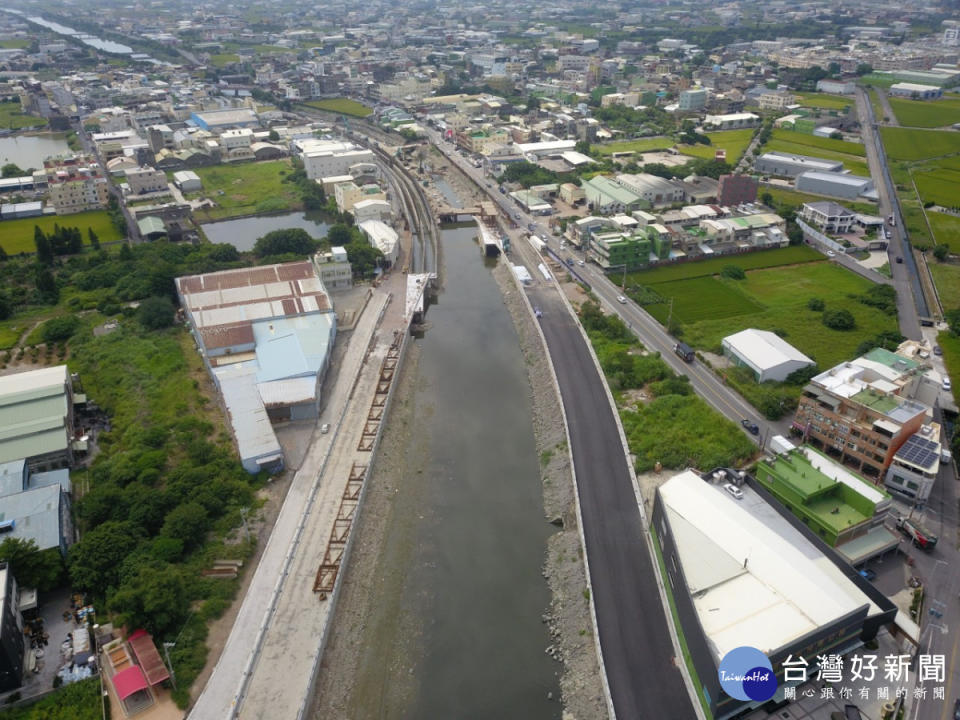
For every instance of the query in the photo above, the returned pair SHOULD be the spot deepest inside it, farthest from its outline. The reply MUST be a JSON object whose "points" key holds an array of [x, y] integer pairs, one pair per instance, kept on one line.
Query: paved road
{"points": [[891, 116], [910, 301], [634, 634]]}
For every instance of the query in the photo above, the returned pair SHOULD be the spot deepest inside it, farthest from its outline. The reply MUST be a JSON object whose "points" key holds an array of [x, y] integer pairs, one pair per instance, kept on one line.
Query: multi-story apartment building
{"points": [[146, 180], [775, 100], [860, 411], [693, 99], [76, 184]]}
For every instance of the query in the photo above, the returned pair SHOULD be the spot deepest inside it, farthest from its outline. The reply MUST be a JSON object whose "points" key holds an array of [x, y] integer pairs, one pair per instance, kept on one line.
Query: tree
{"points": [[767, 199], [864, 69], [953, 320], [363, 257], [126, 254], [839, 319], [582, 146], [155, 313], [154, 598], [43, 245], [274, 136], [94, 561], [94, 240], [46, 285], [32, 567], [816, 304], [281, 242], [60, 329], [941, 252], [734, 272], [11, 170], [339, 235], [187, 522]]}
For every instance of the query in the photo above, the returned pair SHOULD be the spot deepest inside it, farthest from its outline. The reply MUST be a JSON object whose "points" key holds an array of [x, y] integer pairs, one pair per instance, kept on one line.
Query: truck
{"points": [[684, 351], [919, 535]]}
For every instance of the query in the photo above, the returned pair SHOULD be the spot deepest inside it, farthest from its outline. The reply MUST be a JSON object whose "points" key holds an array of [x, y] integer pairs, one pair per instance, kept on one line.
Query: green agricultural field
{"points": [[701, 298], [946, 230], [926, 113], [343, 106], [16, 236], [941, 186], [915, 221], [794, 199], [735, 142], [823, 100], [782, 294], [12, 117], [878, 80], [639, 145], [247, 188], [947, 279], [220, 60], [14, 43], [705, 268], [852, 155], [911, 144]]}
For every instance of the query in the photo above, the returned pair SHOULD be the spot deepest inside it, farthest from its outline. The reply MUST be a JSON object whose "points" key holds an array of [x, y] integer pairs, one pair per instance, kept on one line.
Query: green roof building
{"points": [[834, 503]]}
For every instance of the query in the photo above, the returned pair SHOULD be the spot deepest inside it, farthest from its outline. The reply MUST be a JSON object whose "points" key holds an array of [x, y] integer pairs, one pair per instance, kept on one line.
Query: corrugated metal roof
{"points": [[248, 417], [279, 393], [36, 515], [33, 413]]}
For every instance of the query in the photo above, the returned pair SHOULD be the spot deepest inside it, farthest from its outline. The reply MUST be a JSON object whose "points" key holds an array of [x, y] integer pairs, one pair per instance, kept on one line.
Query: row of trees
{"points": [[62, 241]]}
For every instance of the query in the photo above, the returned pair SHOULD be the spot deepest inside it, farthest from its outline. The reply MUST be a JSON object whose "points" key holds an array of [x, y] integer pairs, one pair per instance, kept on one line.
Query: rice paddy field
{"points": [[735, 142], [853, 155], [926, 113]]}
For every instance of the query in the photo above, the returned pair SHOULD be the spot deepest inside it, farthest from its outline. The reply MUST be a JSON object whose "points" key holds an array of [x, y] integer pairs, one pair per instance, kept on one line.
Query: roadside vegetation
{"points": [[671, 424]]}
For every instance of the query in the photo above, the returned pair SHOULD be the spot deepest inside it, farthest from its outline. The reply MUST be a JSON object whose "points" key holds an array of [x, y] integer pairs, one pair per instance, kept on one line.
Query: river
{"points": [[456, 628], [242, 233]]}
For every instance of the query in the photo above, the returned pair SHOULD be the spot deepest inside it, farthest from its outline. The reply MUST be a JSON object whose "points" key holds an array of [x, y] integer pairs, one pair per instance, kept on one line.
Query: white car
{"points": [[831, 253], [946, 383], [621, 299], [734, 491], [581, 263]]}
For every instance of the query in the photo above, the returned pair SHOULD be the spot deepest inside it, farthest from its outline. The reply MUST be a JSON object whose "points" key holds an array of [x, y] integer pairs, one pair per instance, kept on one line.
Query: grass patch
{"points": [[701, 298], [841, 147], [640, 145], [16, 236], [12, 117], [878, 80], [247, 188], [220, 60], [783, 293], [14, 43], [912, 144], [735, 142], [823, 100], [879, 112], [926, 113], [947, 279], [749, 261], [794, 199], [343, 106]]}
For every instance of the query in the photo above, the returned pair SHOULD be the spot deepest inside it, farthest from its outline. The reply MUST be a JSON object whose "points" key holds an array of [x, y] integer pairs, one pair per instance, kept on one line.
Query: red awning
{"points": [[127, 682], [147, 656]]}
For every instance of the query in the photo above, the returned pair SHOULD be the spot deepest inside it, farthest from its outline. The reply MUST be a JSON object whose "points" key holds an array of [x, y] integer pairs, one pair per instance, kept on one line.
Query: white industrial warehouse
{"points": [[769, 356]]}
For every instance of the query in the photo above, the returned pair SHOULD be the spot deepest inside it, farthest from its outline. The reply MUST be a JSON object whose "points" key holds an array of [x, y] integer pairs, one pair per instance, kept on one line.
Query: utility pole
{"points": [[166, 654]]}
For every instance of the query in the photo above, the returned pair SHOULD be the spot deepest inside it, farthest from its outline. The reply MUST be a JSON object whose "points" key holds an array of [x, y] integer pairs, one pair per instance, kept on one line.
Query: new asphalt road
{"points": [[634, 636]]}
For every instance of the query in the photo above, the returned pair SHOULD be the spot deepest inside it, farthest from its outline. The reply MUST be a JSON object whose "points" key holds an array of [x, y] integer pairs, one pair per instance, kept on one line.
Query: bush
{"points": [[155, 313], [839, 320], [734, 272], [816, 304], [60, 329]]}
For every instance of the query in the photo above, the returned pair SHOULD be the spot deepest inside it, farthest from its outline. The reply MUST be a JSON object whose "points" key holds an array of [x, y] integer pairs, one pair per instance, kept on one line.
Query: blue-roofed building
{"points": [[266, 334], [35, 506]]}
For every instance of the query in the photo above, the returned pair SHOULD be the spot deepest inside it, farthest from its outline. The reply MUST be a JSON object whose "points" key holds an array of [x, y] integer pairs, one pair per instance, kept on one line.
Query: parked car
{"points": [[898, 259], [580, 263], [621, 299], [734, 491], [956, 710], [325, 428], [750, 427], [537, 312], [868, 574], [946, 383], [937, 350], [831, 253]]}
